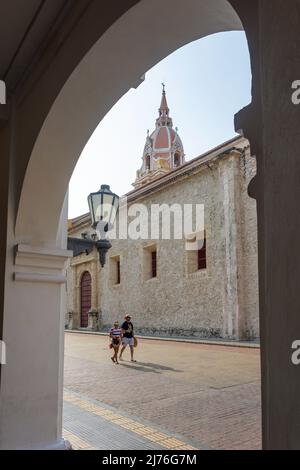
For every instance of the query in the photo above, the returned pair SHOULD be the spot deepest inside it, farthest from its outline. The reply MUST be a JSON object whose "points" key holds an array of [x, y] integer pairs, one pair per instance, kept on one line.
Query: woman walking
{"points": [[115, 336]]}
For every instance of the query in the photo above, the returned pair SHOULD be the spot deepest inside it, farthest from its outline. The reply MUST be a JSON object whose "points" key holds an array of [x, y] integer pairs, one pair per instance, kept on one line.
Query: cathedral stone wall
{"points": [[248, 265], [220, 301]]}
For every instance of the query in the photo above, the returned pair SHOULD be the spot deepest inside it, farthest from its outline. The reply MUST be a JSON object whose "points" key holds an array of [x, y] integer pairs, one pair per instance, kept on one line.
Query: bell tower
{"points": [[163, 149]]}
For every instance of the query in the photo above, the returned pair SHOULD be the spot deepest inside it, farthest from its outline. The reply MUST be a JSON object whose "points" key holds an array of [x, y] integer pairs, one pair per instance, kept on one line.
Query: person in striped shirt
{"points": [[115, 334]]}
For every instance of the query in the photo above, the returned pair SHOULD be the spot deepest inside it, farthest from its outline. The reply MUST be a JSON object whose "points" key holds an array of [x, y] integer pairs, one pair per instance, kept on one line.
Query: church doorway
{"points": [[85, 298]]}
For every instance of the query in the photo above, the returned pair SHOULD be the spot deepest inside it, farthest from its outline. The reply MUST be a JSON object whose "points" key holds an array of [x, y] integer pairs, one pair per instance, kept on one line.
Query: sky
{"points": [[207, 82]]}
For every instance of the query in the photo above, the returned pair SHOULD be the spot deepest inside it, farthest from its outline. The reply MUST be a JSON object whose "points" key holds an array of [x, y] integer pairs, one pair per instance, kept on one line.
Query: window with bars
{"points": [[154, 263], [202, 256], [196, 259], [150, 261], [118, 272]]}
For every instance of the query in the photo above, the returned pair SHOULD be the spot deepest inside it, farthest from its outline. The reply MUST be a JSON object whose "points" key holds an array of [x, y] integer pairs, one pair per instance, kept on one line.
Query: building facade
{"points": [[210, 291]]}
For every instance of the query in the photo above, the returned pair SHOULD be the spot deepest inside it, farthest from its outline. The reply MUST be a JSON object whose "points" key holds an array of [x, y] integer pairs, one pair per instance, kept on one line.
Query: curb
{"points": [[232, 344]]}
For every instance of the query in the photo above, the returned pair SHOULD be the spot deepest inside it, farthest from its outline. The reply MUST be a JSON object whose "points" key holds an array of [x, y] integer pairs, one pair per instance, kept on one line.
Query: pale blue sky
{"points": [[207, 82]]}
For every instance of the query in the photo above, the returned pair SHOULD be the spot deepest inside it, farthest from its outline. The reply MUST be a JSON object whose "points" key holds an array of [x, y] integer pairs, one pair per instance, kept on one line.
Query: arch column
{"points": [[272, 125], [33, 330]]}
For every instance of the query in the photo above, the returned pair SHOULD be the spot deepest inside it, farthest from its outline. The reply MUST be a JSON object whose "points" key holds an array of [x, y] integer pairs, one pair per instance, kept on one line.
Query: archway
{"points": [[85, 98], [92, 90]]}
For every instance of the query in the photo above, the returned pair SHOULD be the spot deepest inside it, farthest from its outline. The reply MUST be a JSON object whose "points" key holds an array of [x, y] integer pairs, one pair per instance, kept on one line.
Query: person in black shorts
{"points": [[127, 337]]}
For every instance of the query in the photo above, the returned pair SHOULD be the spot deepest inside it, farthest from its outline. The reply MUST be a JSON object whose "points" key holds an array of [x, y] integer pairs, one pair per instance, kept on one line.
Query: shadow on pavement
{"points": [[158, 366], [138, 368], [149, 367]]}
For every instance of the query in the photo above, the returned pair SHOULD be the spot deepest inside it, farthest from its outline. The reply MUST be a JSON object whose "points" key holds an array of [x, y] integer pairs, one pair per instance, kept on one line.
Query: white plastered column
{"points": [[32, 379]]}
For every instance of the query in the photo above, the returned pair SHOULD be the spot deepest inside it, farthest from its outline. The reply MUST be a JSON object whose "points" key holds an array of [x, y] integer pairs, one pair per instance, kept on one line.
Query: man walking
{"points": [[127, 337]]}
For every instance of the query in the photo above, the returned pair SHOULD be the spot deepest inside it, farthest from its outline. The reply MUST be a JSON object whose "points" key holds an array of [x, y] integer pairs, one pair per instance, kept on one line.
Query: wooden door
{"points": [[86, 298]]}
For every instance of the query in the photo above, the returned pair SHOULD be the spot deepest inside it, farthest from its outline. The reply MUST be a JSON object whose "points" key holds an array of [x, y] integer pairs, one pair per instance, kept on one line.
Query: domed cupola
{"points": [[163, 149]]}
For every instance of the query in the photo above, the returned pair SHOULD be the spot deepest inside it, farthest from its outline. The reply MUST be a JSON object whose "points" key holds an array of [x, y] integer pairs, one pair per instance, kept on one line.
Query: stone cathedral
{"points": [[211, 292]]}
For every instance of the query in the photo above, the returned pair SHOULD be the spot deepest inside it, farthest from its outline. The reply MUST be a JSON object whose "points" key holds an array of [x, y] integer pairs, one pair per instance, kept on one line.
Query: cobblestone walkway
{"points": [[206, 396]]}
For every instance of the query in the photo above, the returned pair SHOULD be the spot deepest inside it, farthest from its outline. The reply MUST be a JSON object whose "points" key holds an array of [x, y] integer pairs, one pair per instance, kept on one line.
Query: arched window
{"points": [[147, 162], [85, 298], [176, 160]]}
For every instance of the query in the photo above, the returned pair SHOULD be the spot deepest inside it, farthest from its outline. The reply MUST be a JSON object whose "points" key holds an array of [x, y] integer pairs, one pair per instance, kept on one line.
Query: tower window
{"points": [[176, 160], [148, 162]]}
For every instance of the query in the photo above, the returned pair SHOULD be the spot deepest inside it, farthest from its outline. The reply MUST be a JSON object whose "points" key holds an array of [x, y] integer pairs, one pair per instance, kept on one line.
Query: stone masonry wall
{"points": [[219, 302]]}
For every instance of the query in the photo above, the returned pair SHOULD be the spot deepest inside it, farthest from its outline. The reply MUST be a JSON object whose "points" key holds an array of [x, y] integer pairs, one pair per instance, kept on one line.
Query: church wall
{"points": [[221, 301], [201, 303], [248, 248]]}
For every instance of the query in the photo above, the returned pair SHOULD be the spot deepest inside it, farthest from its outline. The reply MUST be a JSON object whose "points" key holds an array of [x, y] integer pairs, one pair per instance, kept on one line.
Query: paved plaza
{"points": [[176, 396]]}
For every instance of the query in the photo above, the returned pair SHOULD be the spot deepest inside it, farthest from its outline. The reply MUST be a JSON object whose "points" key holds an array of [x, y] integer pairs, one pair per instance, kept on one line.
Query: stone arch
{"points": [[84, 98], [92, 90]]}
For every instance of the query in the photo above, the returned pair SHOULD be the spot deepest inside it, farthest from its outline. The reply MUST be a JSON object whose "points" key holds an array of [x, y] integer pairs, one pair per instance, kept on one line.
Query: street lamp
{"points": [[103, 207]]}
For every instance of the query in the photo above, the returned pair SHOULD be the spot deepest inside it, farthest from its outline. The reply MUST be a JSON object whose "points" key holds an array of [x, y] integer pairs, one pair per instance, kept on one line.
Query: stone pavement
{"points": [[205, 396], [89, 425]]}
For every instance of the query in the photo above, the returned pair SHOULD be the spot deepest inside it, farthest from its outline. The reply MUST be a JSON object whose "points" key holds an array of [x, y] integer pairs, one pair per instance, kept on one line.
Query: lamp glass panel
{"points": [[107, 206], [91, 208], [97, 207], [114, 209]]}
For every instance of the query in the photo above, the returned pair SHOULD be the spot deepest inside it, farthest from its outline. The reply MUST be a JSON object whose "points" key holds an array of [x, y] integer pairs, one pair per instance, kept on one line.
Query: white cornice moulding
{"points": [[40, 264], [41, 257], [38, 277]]}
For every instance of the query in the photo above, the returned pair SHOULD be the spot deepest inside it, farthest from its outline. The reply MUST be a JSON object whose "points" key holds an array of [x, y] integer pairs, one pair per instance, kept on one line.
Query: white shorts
{"points": [[128, 341]]}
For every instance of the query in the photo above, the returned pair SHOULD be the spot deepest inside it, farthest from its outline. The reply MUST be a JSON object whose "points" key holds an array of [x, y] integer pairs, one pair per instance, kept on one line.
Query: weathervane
{"points": [[163, 87]]}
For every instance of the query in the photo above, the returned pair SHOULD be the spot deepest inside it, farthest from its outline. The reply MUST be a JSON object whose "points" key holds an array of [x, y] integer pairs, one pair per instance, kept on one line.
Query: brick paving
{"points": [[208, 394], [89, 425]]}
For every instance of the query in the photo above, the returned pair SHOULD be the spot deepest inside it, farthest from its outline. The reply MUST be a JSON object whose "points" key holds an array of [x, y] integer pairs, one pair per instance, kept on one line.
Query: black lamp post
{"points": [[103, 207]]}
